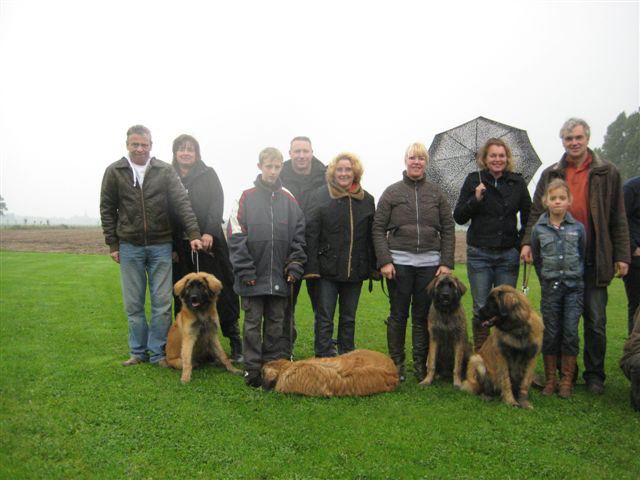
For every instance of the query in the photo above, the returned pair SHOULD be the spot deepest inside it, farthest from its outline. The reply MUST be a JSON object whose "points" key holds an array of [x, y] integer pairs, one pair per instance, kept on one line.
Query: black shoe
{"points": [[253, 378], [236, 350], [595, 387]]}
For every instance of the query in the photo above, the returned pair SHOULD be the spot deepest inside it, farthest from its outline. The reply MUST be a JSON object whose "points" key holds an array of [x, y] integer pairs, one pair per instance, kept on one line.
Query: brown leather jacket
{"points": [[142, 216], [608, 232], [413, 216]]}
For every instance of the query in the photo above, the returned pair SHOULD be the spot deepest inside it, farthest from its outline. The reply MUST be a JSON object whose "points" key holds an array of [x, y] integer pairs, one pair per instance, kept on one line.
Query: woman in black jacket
{"points": [[492, 200], [340, 251], [207, 200]]}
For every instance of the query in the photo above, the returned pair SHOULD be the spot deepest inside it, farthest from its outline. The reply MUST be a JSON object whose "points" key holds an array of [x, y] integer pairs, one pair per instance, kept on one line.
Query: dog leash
{"points": [[291, 319], [197, 261], [525, 278]]}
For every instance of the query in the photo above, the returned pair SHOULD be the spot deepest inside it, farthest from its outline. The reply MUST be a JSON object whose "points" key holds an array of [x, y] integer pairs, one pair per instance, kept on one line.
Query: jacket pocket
{"points": [[327, 261]]}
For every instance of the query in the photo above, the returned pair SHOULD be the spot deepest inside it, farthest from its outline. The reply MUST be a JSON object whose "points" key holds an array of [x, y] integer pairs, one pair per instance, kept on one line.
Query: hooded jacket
{"points": [[339, 243], [413, 216], [141, 215], [608, 232], [266, 240]]}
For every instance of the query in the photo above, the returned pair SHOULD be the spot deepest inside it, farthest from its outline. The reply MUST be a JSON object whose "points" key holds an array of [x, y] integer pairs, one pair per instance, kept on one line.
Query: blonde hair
{"points": [[557, 184], [481, 159], [270, 153], [418, 149], [356, 166]]}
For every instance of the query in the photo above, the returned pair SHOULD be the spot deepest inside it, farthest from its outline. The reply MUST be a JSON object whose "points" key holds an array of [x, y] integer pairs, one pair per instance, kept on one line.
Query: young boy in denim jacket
{"points": [[266, 245], [558, 243]]}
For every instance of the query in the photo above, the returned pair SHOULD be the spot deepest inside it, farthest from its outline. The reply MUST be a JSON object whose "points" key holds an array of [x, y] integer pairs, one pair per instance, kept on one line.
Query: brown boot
{"points": [[566, 381], [550, 365], [480, 334]]}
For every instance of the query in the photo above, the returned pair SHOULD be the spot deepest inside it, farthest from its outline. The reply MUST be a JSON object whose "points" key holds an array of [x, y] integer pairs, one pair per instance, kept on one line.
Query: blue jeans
{"points": [[137, 263], [561, 307], [595, 327], [328, 294], [488, 268]]}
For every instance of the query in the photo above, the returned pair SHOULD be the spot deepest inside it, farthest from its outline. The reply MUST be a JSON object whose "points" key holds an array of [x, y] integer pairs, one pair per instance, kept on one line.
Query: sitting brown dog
{"points": [[358, 373], [505, 363], [449, 347], [193, 337]]}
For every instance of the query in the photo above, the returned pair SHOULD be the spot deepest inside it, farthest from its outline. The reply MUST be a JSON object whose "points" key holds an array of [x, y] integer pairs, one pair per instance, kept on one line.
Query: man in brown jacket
{"points": [[137, 227], [598, 203]]}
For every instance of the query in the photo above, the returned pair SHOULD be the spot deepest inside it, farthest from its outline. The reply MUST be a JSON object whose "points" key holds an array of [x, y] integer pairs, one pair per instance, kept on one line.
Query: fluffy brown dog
{"points": [[193, 337], [505, 363], [449, 347], [358, 373]]}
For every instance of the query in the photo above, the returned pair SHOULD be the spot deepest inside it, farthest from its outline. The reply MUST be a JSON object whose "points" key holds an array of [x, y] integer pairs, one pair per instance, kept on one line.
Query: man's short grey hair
{"points": [[139, 130], [300, 139], [573, 123]]}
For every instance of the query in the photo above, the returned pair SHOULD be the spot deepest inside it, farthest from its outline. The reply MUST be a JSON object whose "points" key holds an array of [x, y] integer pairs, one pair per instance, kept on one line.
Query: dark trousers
{"points": [[595, 328], [289, 332], [218, 264], [561, 307], [408, 291], [632, 286], [329, 294], [263, 318]]}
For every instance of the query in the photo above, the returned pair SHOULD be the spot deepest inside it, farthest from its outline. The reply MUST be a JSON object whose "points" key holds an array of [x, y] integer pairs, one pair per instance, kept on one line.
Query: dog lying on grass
{"points": [[358, 373], [193, 337], [505, 363], [449, 347]]}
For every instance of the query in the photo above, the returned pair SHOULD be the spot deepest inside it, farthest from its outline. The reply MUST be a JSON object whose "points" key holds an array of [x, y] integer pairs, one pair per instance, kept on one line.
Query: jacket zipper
{"points": [[350, 237], [144, 215], [273, 194], [417, 219]]}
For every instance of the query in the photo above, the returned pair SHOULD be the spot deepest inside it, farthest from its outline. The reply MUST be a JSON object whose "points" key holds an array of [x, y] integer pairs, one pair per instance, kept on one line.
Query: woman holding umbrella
{"points": [[491, 199], [414, 240], [207, 200]]}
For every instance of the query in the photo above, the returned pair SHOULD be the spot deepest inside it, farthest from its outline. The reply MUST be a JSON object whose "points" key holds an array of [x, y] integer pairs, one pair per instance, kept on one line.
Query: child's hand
{"points": [[291, 279], [250, 283]]}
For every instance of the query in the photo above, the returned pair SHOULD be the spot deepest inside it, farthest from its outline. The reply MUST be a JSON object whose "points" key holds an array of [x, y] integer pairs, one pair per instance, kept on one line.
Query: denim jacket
{"points": [[558, 254]]}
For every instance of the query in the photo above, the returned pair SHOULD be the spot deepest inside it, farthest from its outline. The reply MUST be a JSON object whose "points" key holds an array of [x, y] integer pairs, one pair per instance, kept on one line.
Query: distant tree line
{"points": [[622, 144]]}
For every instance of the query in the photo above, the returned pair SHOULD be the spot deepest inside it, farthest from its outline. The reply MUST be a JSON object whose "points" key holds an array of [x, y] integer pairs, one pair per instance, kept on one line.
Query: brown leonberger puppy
{"points": [[193, 337], [357, 374], [449, 347], [504, 365]]}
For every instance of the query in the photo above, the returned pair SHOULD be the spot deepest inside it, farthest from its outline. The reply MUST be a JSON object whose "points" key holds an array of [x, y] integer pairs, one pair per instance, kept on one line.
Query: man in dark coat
{"points": [[632, 280], [598, 204], [301, 175]]}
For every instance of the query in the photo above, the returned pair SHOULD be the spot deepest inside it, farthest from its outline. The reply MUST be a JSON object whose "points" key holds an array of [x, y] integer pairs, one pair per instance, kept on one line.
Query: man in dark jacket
{"points": [[599, 205], [135, 201], [301, 175], [632, 280]]}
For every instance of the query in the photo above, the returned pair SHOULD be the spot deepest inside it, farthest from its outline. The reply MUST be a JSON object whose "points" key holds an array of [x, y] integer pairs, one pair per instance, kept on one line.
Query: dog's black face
{"points": [[495, 313], [447, 295], [197, 295]]}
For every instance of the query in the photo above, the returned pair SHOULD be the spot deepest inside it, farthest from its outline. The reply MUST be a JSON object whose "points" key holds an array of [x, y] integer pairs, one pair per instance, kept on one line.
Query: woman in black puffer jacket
{"points": [[340, 251], [492, 200]]}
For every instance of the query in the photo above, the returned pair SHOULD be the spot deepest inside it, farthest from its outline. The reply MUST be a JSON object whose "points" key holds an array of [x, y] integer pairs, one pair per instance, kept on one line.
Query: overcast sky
{"points": [[368, 77]]}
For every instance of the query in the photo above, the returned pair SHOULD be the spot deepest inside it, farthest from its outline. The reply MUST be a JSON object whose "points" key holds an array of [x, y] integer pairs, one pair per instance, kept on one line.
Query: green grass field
{"points": [[69, 410]]}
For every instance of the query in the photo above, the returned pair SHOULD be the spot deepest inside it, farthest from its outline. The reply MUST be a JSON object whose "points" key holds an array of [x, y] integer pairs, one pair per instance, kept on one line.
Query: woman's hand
{"points": [[207, 241], [525, 254], [480, 190], [388, 271], [443, 270]]}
